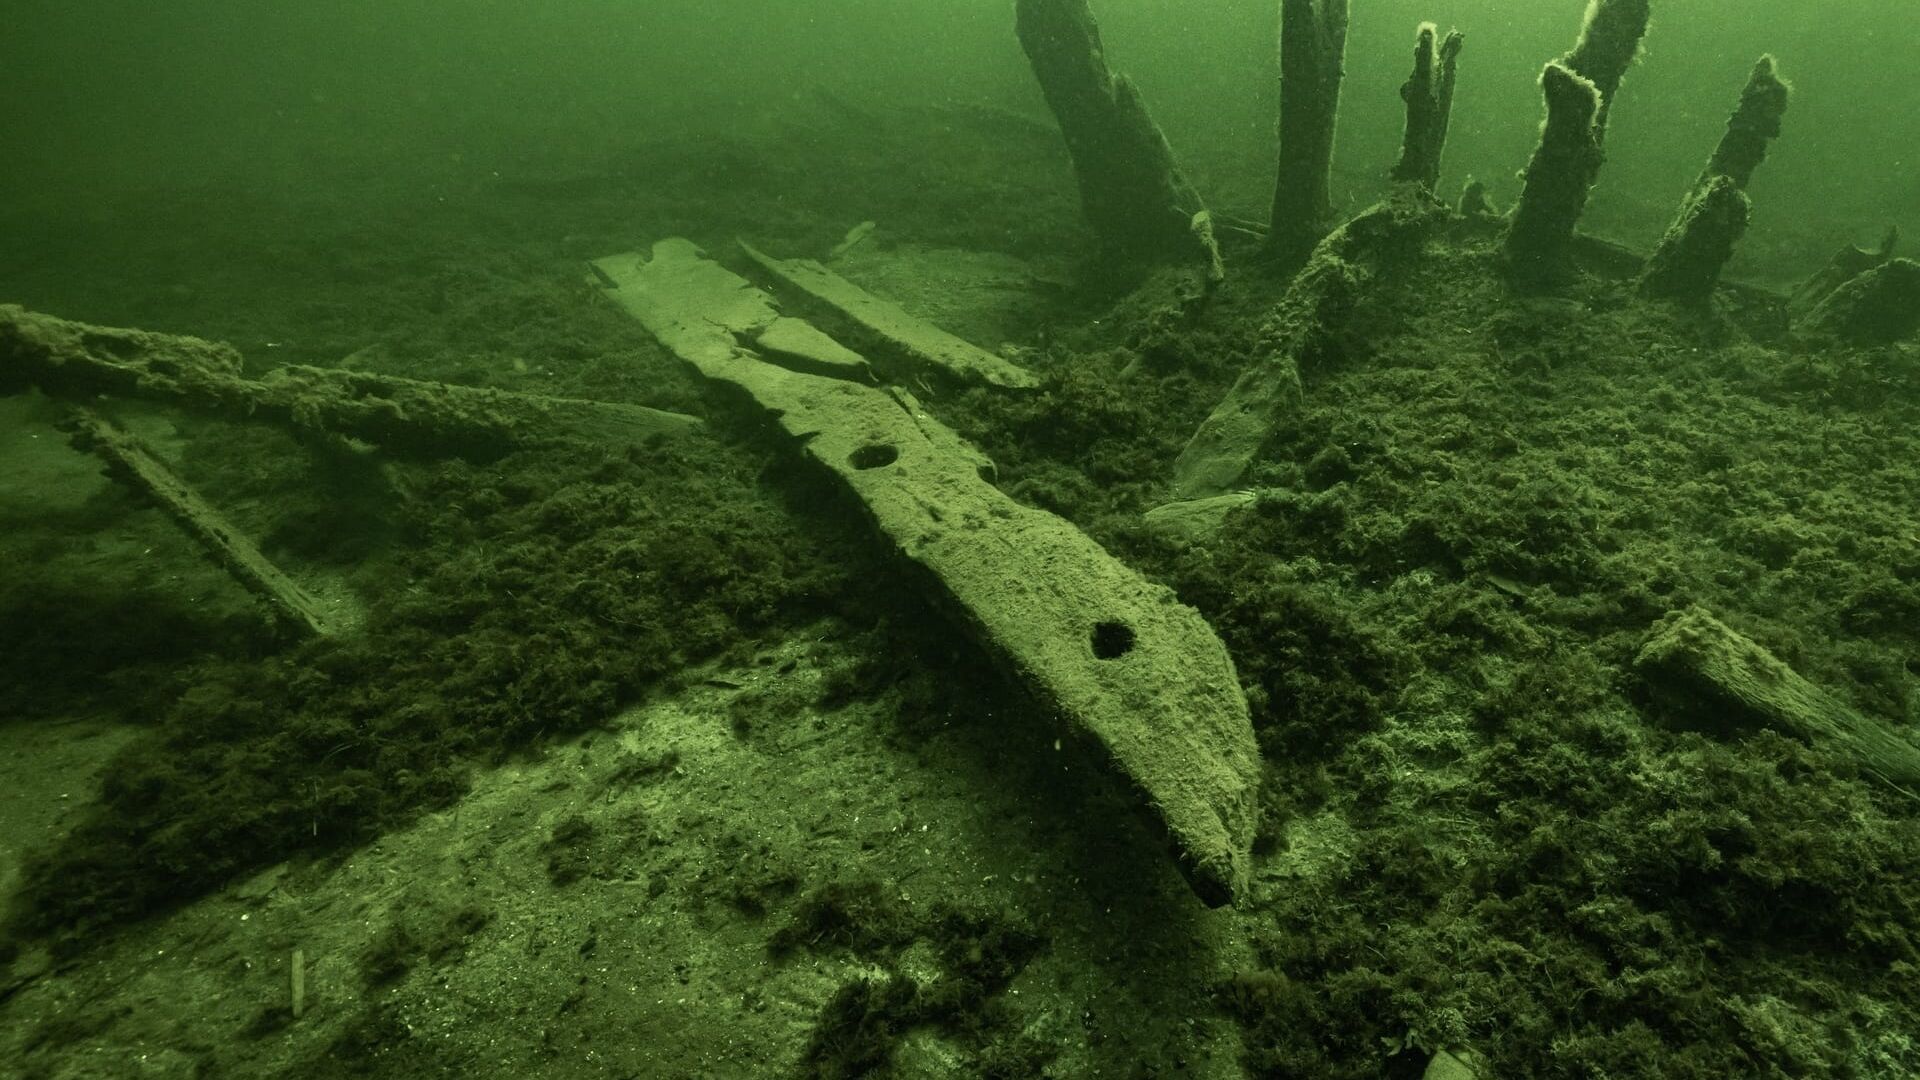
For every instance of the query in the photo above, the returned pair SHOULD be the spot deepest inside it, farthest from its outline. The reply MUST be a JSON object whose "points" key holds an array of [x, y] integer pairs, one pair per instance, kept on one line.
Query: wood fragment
{"points": [[1304, 326], [299, 983], [1118, 658], [1698, 667], [1428, 94], [1557, 182], [130, 462], [1134, 194], [1686, 265], [1848, 263], [886, 331], [1313, 49], [79, 362], [1876, 307]]}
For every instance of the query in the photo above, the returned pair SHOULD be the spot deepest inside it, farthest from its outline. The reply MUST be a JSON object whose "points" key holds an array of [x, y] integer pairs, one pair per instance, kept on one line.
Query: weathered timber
{"points": [[1557, 182], [1305, 326], [1135, 196], [1313, 51], [78, 362], [1609, 43], [1700, 668], [1428, 93], [130, 462], [886, 331], [1687, 263], [1685, 267], [1876, 307], [1117, 657], [1755, 123], [1848, 263], [1579, 90]]}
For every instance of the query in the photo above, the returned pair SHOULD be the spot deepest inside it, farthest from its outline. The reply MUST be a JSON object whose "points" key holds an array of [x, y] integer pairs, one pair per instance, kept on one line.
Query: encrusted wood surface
{"points": [[78, 362], [1697, 664], [925, 348], [1119, 658], [130, 462]]}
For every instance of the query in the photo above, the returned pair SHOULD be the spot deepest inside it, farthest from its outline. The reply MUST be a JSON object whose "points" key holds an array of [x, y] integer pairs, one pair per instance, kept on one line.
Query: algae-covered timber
{"points": [[1313, 50], [76, 361], [1122, 662]]}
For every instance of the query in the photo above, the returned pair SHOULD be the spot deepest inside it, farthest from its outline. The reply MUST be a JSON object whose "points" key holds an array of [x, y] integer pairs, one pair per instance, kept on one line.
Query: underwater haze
{"points": [[110, 95], [822, 539]]}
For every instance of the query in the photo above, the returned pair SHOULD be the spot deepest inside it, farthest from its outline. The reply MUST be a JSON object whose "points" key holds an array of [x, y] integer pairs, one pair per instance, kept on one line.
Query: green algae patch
{"points": [[534, 598]]}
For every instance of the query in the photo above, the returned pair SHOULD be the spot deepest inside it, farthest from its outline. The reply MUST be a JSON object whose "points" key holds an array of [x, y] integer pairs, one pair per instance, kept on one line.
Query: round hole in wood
{"points": [[874, 455], [1112, 640]]}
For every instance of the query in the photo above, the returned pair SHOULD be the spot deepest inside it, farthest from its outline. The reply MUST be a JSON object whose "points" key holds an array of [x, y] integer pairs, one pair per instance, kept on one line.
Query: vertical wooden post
{"points": [[1134, 194], [1428, 93], [1313, 49]]}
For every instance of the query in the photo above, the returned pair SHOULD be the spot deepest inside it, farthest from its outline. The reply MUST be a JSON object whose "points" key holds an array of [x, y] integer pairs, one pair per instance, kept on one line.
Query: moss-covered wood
{"points": [[1557, 182], [1709, 674], [1134, 194], [1313, 49], [1878, 306], [1127, 667], [1686, 264], [1302, 329], [129, 461], [1428, 93], [76, 361]]}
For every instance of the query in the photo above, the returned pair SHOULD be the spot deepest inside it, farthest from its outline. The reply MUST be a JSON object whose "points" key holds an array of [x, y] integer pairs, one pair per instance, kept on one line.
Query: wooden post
{"points": [[1557, 181], [129, 461], [1609, 43], [1579, 89], [1697, 665], [1313, 49], [1428, 93], [1133, 193], [1686, 265]]}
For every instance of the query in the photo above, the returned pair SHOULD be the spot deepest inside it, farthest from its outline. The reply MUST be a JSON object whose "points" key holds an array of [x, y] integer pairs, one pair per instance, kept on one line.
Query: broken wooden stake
{"points": [[1579, 89], [1117, 657], [1313, 50], [1687, 264], [1876, 307], [1696, 664], [1556, 183], [1134, 194], [885, 330], [1304, 326], [1428, 93], [130, 462], [78, 362]]}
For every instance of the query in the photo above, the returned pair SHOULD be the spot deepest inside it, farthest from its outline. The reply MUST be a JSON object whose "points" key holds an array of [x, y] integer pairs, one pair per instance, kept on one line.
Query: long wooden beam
{"points": [[1123, 662]]}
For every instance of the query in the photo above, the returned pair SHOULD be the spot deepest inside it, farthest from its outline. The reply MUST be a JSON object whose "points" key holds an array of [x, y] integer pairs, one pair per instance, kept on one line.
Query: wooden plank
{"points": [[79, 362], [1118, 658], [887, 328], [129, 461], [1695, 664]]}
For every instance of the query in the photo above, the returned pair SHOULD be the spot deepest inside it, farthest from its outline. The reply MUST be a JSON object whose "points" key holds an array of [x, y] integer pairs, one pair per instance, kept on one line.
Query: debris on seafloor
{"points": [[1313, 49], [1119, 659], [78, 362], [1878, 306], [1428, 93], [1304, 325], [1701, 667], [1134, 194], [888, 330], [131, 462], [1687, 263]]}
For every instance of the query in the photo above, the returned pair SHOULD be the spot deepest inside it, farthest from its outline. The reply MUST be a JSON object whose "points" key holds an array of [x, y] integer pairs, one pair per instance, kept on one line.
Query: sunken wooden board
{"points": [[927, 350], [1117, 657]]}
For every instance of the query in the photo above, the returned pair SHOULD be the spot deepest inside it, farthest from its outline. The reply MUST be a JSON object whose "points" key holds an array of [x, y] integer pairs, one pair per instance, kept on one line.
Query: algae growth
{"points": [[641, 755]]}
